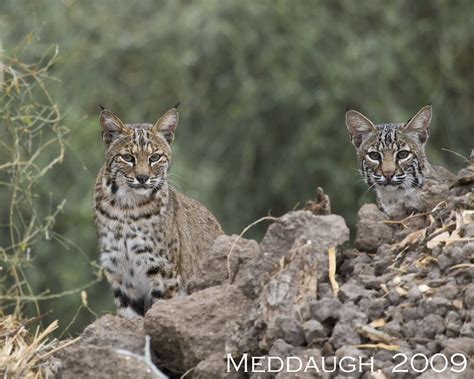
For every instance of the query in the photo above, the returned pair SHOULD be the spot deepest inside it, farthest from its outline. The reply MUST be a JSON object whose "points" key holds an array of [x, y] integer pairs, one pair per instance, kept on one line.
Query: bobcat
{"points": [[150, 235], [392, 157]]}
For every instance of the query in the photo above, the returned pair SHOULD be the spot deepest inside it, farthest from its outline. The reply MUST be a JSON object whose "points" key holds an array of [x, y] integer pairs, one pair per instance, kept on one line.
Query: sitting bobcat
{"points": [[392, 158], [150, 236]]}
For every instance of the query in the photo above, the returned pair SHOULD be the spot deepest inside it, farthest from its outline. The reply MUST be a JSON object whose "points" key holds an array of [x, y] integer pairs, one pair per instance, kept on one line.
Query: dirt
{"points": [[406, 287]]}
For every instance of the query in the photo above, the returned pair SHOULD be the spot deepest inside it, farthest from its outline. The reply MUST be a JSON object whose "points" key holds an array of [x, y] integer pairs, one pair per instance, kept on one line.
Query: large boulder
{"points": [[187, 330], [106, 350]]}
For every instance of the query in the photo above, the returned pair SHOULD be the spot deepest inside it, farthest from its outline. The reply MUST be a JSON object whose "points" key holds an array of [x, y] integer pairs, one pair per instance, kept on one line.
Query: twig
{"points": [[403, 221], [144, 358], [231, 278]]}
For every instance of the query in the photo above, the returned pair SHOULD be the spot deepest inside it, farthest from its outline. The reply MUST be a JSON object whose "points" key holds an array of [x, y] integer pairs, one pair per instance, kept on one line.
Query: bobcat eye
{"points": [[374, 155], [402, 154], [128, 157], [155, 158]]}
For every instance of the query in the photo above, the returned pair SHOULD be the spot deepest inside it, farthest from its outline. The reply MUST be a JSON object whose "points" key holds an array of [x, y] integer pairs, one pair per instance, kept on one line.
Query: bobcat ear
{"points": [[359, 127], [111, 126], [167, 124], [419, 124]]}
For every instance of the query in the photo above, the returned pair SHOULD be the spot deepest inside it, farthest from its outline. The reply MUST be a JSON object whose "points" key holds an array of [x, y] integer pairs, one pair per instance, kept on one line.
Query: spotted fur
{"points": [[150, 235], [392, 157]]}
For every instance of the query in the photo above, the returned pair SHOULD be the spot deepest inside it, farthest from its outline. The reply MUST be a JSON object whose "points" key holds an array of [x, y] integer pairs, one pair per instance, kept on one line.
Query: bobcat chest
{"points": [[131, 245]]}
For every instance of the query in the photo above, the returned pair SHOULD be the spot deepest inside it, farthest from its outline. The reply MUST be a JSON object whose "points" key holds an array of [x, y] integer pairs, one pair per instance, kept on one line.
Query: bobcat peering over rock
{"points": [[150, 235], [392, 158]]}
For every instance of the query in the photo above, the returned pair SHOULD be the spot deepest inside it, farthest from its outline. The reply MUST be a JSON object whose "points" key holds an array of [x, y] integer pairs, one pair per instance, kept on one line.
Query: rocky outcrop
{"points": [[303, 292]]}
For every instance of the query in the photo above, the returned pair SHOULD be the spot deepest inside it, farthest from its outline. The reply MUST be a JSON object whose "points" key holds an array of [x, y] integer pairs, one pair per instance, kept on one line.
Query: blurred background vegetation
{"points": [[263, 85]]}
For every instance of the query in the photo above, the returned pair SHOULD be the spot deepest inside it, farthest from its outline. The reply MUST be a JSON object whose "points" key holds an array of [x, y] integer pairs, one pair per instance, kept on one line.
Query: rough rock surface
{"points": [[371, 230], [191, 328], [407, 287], [95, 355]]}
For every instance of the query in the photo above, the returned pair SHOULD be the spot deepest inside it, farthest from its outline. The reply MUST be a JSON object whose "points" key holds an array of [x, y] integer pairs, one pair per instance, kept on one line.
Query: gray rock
{"points": [[448, 291], [91, 362], [444, 262], [430, 326], [286, 328], [467, 330], [342, 335], [323, 231], [280, 348], [351, 291], [349, 314], [216, 367], [463, 345], [325, 309], [314, 332], [431, 374], [186, 330], [468, 248], [469, 296], [453, 323], [227, 252], [414, 293], [371, 231], [96, 354]]}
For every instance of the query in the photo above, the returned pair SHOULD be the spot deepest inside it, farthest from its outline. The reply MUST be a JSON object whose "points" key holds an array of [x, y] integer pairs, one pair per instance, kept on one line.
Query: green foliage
{"points": [[263, 87]]}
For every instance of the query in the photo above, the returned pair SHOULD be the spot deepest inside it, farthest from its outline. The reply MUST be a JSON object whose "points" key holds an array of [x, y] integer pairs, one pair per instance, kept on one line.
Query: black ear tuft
{"points": [[177, 104], [101, 107]]}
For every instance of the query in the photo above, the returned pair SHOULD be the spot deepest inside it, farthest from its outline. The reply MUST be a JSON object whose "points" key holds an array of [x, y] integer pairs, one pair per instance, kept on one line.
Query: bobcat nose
{"points": [[389, 175], [142, 178]]}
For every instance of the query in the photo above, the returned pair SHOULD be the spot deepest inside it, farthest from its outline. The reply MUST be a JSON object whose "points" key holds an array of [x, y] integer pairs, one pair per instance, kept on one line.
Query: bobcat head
{"points": [[391, 156], [138, 155]]}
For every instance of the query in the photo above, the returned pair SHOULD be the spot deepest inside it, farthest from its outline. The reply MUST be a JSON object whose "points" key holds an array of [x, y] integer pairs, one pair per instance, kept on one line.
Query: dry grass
{"points": [[24, 354]]}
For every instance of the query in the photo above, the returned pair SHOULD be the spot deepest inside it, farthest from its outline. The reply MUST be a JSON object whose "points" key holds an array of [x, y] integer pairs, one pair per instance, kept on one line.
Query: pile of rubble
{"points": [[397, 305]]}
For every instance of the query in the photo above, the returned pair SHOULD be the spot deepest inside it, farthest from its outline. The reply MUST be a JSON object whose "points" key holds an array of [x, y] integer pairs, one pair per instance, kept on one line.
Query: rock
{"points": [[323, 231], [286, 328], [325, 309], [342, 335], [186, 330], [453, 323], [89, 361], [430, 326], [463, 345], [276, 300], [213, 269], [444, 262], [431, 374], [288, 232], [280, 349], [95, 354], [215, 367], [467, 330], [351, 291], [449, 291], [349, 314], [469, 296], [314, 332], [116, 331], [414, 294], [371, 231]]}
